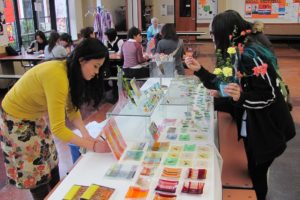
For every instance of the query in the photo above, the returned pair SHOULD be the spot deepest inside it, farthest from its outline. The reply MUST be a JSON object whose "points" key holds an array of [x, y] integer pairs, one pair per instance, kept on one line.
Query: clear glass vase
{"points": [[221, 89]]}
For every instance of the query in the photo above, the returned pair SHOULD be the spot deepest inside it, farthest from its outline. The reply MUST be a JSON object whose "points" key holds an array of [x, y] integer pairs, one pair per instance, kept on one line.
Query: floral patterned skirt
{"points": [[29, 151]]}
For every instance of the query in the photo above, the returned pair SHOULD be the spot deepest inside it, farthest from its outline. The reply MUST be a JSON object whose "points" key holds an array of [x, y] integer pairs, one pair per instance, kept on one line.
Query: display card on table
{"points": [[114, 138]]}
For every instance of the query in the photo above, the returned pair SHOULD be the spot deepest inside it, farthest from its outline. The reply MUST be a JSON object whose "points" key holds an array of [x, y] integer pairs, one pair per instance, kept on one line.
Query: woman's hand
{"points": [[233, 90], [214, 93], [146, 57], [192, 64], [101, 147], [88, 137]]}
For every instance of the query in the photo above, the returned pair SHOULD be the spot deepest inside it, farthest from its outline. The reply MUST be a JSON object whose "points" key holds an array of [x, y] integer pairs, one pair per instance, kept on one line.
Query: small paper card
{"points": [[154, 131], [136, 193], [159, 146], [133, 155], [152, 157], [114, 138], [137, 146], [95, 192], [134, 87], [122, 171], [75, 192]]}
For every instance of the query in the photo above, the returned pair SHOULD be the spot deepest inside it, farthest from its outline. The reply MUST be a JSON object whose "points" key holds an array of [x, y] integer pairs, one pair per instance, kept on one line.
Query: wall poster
{"points": [[272, 9], [206, 10]]}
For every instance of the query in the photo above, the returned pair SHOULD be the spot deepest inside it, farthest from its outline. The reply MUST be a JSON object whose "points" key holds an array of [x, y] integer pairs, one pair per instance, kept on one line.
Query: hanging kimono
{"points": [[103, 21]]}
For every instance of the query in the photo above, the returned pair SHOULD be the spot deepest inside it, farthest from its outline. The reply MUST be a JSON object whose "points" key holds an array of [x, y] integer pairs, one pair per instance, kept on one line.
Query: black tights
{"points": [[40, 192], [258, 173]]}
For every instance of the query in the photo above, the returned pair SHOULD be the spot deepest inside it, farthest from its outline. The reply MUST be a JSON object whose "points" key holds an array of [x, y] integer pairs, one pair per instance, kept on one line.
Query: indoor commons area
{"points": [[149, 100]]}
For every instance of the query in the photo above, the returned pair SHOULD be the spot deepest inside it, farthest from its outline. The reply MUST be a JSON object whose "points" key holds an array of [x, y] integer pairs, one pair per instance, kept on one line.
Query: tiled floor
{"points": [[288, 61]]}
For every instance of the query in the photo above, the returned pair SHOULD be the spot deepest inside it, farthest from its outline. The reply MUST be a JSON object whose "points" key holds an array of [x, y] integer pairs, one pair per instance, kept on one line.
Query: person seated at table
{"points": [[171, 44], [54, 49], [153, 29], [65, 40], [113, 42], [132, 52], [39, 44], [87, 32]]}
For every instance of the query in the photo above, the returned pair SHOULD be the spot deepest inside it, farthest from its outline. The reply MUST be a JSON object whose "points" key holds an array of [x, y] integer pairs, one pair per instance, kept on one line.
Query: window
{"points": [[61, 16], [26, 21], [27, 16], [42, 8]]}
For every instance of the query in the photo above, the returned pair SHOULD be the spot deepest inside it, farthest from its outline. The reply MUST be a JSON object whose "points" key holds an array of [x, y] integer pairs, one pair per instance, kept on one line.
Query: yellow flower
{"points": [[231, 50], [227, 71], [217, 71]]}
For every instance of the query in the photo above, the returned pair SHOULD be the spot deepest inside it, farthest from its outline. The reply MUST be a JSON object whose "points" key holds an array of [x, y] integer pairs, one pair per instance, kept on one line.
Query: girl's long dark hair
{"points": [[54, 36], [224, 24], [168, 32], [81, 90]]}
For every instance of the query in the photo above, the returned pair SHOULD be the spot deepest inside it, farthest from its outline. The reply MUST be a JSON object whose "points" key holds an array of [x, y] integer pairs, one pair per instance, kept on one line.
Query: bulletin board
{"points": [[273, 9], [206, 10]]}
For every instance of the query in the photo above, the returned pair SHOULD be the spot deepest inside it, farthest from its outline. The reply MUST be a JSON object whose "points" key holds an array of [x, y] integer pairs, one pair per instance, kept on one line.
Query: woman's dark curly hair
{"points": [[81, 90]]}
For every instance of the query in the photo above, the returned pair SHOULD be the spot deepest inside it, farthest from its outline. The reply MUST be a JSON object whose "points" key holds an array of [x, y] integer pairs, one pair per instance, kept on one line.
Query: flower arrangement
{"points": [[224, 68]]}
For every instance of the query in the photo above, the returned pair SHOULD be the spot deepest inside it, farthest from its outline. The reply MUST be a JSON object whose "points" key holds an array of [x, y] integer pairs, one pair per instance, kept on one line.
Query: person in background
{"points": [[152, 44], [87, 32], [152, 29], [39, 44], [65, 40], [255, 101], [171, 44], [56, 88], [54, 49], [113, 43], [132, 52]]}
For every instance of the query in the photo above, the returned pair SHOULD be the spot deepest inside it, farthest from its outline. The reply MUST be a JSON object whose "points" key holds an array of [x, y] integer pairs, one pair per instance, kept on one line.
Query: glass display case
{"points": [[136, 107]]}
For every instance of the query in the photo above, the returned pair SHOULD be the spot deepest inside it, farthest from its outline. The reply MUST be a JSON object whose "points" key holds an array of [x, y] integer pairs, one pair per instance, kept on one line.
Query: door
{"points": [[185, 15]]}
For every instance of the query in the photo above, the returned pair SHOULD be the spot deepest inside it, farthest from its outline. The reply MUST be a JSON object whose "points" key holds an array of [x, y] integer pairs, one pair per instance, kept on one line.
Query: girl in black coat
{"points": [[262, 115]]}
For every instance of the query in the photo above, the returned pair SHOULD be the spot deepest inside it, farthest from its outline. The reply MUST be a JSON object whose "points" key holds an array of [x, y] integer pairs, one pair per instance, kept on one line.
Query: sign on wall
{"points": [[272, 9], [206, 10]]}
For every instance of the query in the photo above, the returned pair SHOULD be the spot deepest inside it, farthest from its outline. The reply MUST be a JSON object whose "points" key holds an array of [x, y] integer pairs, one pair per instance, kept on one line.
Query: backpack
{"points": [[10, 51]]}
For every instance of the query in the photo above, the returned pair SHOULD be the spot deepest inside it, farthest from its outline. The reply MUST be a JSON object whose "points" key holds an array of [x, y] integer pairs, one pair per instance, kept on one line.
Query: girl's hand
{"points": [[101, 147], [233, 90], [192, 64]]}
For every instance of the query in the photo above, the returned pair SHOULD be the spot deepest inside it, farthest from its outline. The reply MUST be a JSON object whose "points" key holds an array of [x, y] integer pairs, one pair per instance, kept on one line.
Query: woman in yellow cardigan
{"points": [[56, 88]]}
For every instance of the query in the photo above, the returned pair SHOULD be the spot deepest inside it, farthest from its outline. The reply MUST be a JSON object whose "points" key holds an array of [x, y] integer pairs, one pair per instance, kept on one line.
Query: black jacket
{"points": [[269, 122]]}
